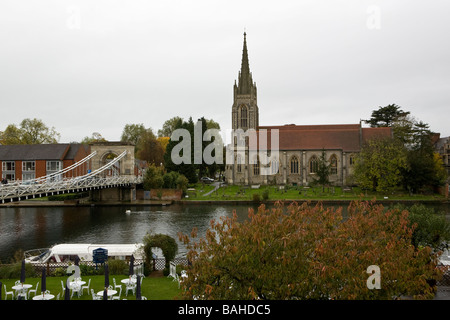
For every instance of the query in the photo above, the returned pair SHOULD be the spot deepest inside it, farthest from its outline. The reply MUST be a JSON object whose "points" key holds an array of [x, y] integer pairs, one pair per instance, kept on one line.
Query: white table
{"points": [[109, 292], [47, 296], [73, 284], [22, 287], [127, 281]]}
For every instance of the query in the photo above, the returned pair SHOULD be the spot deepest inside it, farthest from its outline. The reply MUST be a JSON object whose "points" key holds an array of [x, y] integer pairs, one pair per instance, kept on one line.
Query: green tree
{"points": [[166, 243], [30, 131], [149, 148], [323, 171], [305, 252], [416, 137], [95, 137], [132, 133], [189, 170], [169, 126], [431, 227], [386, 116], [379, 165], [153, 177]]}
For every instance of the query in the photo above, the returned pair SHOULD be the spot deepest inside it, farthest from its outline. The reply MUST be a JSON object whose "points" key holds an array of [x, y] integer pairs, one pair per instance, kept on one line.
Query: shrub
{"points": [[256, 197], [309, 252], [118, 266], [167, 244], [68, 196], [12, 271], [432, 228]]}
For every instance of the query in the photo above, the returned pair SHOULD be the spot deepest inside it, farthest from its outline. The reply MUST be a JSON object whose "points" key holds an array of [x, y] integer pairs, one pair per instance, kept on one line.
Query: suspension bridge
{"points": [[68, 180]]}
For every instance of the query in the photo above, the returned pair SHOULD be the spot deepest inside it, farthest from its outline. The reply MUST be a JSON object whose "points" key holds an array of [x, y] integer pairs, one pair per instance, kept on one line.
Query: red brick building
{"points": [[27, 162]]}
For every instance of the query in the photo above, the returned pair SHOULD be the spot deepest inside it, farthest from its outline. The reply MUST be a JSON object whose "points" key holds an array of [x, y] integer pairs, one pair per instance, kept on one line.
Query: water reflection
{"points": [[40, 227]]}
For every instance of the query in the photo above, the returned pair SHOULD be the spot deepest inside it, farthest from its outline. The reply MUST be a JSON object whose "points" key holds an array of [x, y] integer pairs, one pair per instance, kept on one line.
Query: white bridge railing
{"points": [[57, 183]]}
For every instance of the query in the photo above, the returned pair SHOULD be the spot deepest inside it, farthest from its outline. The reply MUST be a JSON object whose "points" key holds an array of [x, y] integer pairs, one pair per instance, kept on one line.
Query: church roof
{"points": [[345, 137]]}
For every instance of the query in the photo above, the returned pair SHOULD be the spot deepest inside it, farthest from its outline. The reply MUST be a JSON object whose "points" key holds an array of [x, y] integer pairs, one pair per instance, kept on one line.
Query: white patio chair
{"points": [[94, 296], [7, 293], [63, 287], [86, 287], [57, 296], [22, 294], [173, 270], [33, 290], [117, 286], [76, 289], [117, 297], [131, 287]]}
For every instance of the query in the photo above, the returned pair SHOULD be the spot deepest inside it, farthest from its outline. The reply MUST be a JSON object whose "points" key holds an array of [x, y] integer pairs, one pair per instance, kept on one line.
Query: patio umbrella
{"points": [[131, 271], [105, 292], [66, 293], [138, 288], [106, 276], [22, 272], [43, 280]]}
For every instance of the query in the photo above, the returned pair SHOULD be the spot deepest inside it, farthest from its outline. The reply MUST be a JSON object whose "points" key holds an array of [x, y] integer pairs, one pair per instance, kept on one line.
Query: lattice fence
{"points": [[157, 264]]}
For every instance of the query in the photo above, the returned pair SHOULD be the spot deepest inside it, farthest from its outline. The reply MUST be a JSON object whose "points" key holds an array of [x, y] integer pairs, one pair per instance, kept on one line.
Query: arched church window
{"points": [[333, 164], [313, 164], [274, 166], [244, 117], [256, 166], [294, 164], [239, 164], [352, 160]]}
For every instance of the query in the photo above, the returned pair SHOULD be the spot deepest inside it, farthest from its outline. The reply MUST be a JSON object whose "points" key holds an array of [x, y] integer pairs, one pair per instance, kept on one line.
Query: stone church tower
{"points": [[245, 114]]}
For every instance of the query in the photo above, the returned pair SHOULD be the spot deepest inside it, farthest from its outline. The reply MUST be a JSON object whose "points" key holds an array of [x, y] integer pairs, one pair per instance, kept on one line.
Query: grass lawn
{"points": [[234, 192], [153, 288]]}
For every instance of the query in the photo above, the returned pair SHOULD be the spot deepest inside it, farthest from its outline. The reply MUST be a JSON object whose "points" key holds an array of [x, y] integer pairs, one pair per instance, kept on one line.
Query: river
{"points": [[41, 227]]}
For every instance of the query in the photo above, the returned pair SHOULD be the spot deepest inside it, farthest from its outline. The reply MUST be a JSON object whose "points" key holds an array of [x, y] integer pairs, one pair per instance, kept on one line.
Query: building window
{"points": [[9, 170], [239, 164], [53, 167], [274, 166], [28, 165], [294, 165], [8, 166], [313, 165], [333, 164], [256, 167], [244, 117], [28, 168], [351, 160]]}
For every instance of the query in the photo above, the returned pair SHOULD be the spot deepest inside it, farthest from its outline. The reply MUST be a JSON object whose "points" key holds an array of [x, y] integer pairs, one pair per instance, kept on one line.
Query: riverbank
{"points": [[46, 203]]}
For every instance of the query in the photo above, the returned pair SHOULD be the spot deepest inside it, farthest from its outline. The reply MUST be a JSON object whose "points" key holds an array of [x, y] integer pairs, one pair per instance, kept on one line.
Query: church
{"points": [[299, 146]]}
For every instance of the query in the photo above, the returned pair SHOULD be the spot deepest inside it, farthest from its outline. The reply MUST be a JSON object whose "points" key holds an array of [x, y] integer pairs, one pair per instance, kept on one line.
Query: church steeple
{"points": [[245, 114], [245, 76]]}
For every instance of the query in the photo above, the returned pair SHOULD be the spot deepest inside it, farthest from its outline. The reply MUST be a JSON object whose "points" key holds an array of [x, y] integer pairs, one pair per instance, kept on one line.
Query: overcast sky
{"points": [[97, 65]]}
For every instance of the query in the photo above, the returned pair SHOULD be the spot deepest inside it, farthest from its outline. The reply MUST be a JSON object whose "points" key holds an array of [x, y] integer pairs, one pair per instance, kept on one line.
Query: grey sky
{"points": [[94, 66]]}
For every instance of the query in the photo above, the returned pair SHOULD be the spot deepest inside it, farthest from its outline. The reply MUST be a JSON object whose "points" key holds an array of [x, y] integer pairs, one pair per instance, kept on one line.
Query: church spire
{"points": [[245, 77]]}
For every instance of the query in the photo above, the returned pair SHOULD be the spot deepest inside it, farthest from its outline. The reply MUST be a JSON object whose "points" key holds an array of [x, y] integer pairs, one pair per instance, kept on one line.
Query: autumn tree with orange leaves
{"points": [[309, 252]]}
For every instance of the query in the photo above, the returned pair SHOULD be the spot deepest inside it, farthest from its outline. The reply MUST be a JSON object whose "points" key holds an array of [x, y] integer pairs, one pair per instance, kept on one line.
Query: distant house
{"points": [[28, 162], [443, 147]]}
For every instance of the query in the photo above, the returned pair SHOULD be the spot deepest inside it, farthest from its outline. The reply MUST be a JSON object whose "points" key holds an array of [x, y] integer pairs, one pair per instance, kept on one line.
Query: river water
{"points": [[41, 227]]}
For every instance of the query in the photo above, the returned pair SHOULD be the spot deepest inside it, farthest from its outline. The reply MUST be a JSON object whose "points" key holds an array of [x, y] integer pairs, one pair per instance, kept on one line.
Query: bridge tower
{"points": [[106, 151]]}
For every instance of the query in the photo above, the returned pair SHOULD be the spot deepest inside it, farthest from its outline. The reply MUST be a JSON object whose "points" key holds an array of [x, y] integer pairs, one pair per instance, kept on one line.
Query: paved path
{"points": [[216, 185]]}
